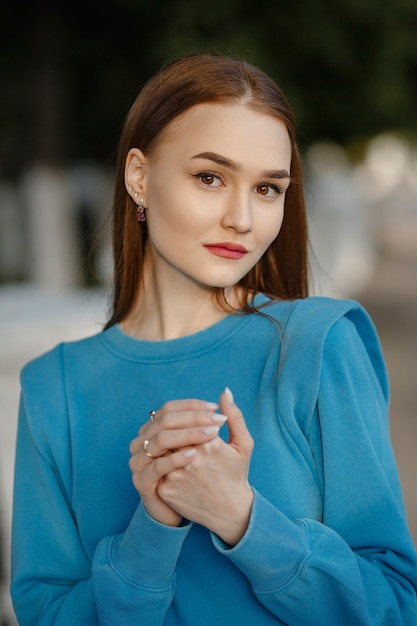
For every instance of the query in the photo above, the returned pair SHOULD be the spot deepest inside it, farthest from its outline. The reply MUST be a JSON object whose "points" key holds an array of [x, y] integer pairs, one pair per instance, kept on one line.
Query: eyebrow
{"points": [[237, 167]]}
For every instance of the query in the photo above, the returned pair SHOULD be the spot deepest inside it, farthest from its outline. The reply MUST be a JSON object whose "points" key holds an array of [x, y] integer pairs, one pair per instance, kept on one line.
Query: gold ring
{"points": [[145, 447], [152, 414]]}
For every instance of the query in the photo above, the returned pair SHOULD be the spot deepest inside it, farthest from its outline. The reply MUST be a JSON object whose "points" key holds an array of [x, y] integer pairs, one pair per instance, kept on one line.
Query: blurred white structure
{"points": [[357, 212], [340, 224], [46, 221], [53, 252], [388, 177]]}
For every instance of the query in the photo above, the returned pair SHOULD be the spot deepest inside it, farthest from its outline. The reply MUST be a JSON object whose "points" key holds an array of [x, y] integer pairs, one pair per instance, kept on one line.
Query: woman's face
{"points": [[215, 191]]}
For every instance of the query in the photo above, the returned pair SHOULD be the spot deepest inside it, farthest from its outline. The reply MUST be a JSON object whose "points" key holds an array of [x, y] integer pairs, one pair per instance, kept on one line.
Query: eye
{"points": [[268, 190], [208, 179]]}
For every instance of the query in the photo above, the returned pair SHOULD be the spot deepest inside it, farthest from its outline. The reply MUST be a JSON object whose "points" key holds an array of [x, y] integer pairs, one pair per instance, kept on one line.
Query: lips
{"points": [[227, 250]]}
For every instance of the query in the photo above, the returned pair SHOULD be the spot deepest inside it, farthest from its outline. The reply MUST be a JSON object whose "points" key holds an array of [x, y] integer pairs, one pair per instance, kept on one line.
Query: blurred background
{"points": [[70, 71]]}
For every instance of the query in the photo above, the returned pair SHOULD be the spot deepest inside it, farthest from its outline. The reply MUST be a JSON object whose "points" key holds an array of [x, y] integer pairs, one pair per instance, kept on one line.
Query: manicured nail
{"points": [[229, 396], [218, 417], [210, 430], [190, 453], [211, 405]]}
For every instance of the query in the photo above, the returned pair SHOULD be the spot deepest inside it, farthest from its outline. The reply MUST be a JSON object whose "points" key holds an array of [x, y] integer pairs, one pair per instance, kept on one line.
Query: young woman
{"points": [[260, 486]]}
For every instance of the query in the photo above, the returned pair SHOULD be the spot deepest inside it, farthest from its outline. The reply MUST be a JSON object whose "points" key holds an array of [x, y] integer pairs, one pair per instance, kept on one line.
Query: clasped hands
{"points": [[192, 473]]}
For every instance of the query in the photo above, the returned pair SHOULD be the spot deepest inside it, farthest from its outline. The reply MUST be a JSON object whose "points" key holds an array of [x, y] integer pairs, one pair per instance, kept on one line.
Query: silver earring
{"points": [[141, 216]]}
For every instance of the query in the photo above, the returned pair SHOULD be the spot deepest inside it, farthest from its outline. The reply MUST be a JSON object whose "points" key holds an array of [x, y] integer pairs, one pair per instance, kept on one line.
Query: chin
{"points": [[223, 283]]}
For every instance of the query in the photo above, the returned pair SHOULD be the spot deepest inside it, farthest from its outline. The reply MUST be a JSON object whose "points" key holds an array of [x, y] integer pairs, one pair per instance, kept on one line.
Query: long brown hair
{"points": [[179, 85]]}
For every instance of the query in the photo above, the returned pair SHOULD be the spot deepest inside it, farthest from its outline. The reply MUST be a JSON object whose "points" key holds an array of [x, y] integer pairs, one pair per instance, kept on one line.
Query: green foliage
{"points": [[348, 68]]}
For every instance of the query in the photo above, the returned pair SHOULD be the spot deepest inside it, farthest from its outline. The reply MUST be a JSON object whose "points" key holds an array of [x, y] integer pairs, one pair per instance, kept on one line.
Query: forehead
{"points": [[226, 126]]}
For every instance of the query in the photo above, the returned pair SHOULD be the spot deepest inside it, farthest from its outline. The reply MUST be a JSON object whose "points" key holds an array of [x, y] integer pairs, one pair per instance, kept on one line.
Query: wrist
{"points": [[231, 529], [162, 513]]}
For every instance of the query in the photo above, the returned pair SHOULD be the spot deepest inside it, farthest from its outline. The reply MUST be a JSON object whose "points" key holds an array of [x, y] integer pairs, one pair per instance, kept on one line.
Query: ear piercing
{"points": [[140, 215]]}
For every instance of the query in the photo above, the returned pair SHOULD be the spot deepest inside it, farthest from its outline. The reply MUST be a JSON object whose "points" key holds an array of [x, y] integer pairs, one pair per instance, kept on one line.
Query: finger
{"points": [[161, 466], [239, 436], [185, 406], [177, 414], [183, 419], [166, 440], [180, 420]]}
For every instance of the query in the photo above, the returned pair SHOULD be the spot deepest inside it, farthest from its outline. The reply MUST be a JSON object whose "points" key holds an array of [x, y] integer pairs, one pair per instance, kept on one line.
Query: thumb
{"points": [[239, 436]]}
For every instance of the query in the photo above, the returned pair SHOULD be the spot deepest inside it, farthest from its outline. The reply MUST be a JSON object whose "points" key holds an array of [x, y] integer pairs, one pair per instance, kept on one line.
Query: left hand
{"points": [[181, 425], [214, 490]]}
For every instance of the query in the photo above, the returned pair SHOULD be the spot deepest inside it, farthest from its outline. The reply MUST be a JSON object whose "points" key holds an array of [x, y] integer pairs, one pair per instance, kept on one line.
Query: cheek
{"points": [[179, 213], [163, 209], [174, 221], [270, 228]]}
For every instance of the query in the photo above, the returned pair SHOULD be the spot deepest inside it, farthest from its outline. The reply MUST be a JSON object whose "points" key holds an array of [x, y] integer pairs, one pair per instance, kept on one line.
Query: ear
{"points": [[135, 172]]}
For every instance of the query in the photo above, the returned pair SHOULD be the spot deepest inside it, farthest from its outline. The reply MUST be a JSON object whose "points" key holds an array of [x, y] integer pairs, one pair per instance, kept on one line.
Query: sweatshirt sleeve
{"points": [[54, 581], [134, 573], [358, 564]]}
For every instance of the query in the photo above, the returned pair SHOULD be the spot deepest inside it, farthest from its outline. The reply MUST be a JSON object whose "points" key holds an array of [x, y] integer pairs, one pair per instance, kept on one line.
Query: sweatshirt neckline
{"points": [[131, 348]]}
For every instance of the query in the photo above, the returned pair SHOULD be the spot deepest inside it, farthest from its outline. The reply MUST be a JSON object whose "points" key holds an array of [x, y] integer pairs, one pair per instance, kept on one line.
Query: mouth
{"points": [[227, 250]]}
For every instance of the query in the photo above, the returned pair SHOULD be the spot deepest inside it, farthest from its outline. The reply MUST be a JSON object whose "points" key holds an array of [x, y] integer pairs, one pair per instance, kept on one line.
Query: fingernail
{"points": [[211, 405], [190, 453], [229, 396], [218, 417], [210, 430]]}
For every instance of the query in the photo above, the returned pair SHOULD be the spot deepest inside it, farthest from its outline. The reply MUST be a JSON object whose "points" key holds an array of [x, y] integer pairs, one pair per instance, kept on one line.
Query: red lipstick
{"points": [[227, 250]]}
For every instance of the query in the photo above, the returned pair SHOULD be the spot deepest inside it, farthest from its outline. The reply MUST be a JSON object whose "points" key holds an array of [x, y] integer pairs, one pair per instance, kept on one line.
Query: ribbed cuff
{"points": [[271, 550], [147, 552]]}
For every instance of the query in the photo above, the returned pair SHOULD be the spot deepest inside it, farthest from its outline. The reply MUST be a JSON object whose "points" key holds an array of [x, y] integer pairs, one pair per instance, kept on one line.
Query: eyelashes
{"points": [[264, 189], [208, 179]]}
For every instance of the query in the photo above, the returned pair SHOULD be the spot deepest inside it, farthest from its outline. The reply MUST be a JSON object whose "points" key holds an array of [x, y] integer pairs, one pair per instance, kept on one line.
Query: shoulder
{"points": [[315, 313], [315, 320], [339, 326], [323, 331], [46, 384], [310, 322], [329, 339], [47, 370]]}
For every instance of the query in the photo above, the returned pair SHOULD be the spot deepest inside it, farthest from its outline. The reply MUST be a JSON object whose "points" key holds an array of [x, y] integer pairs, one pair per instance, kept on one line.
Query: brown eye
{"points": [[268, 190], [263, 190], [207, 179]]}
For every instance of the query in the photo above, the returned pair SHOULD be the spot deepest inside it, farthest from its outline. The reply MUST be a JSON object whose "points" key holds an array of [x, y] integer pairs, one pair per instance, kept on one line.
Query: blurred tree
{"points": [[70, 70], [349, 69]]}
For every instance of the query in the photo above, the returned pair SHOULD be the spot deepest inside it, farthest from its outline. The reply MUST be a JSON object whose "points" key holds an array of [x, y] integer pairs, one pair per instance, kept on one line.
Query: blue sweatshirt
{"points": [[327, 542]]}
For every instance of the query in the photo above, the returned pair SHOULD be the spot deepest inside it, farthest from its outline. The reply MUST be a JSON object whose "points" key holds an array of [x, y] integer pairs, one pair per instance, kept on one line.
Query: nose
{"points": [[238, 212]]}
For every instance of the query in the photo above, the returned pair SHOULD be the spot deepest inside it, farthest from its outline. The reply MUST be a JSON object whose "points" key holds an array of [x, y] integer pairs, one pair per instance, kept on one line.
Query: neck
{"points": [[152, 319], [166, 310]]}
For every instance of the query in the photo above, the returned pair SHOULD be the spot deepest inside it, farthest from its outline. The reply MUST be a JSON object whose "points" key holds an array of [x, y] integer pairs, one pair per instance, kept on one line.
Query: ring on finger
{"points": [[152, 414], [145, 447]]}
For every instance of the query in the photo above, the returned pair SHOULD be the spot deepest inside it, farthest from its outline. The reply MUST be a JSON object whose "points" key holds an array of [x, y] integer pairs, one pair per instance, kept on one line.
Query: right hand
{"points": [[178, 427]]}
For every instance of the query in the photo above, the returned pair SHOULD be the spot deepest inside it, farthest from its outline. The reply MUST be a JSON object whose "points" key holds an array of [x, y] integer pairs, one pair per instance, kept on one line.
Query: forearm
{"points": [[305, 573], [134, 573], [132, 577], [57, 581], [48, 604]]}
